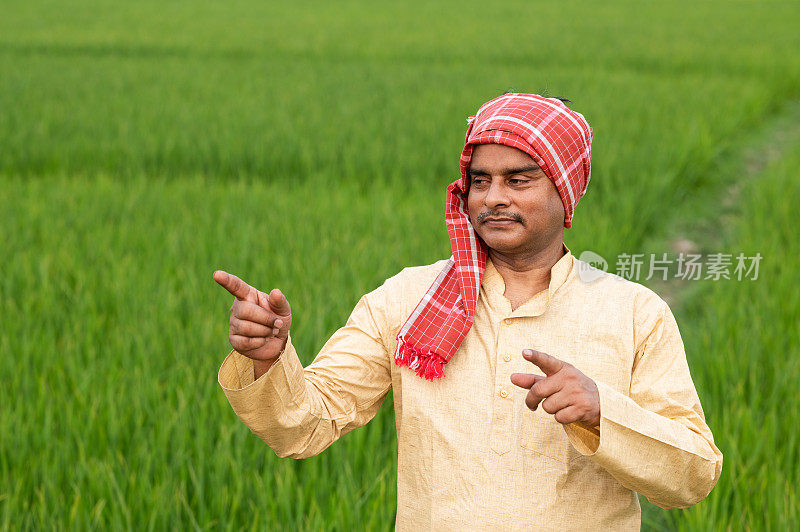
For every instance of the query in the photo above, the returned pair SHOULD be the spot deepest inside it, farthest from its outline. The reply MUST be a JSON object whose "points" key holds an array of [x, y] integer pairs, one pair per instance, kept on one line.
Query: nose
{"points": [[497, 195]]}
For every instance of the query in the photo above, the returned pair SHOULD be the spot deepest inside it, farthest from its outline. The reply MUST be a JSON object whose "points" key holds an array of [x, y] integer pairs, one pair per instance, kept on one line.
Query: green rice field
{"points": [[308, 146]]}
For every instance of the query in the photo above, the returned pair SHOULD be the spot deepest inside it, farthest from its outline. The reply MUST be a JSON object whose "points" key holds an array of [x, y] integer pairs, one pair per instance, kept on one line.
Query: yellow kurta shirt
{"points": [[471, 455]]}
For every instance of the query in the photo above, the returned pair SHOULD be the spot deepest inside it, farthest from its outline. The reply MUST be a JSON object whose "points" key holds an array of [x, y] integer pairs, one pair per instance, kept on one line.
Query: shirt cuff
{"points": [[586, 440], [283, 379], [620, 418]]}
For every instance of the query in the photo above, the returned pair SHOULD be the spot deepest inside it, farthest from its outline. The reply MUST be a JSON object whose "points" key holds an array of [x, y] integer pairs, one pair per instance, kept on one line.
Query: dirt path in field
{"points": [[700, 224]]}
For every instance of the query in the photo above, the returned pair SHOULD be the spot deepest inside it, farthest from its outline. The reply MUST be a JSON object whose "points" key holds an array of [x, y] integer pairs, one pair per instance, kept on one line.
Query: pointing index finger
{"points": [[548, 364], [236, 286]]}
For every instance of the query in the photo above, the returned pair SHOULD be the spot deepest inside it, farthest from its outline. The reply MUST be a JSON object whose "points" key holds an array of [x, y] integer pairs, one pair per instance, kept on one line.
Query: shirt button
{"points": [[507, 357], [503, 394], [507, 321]]}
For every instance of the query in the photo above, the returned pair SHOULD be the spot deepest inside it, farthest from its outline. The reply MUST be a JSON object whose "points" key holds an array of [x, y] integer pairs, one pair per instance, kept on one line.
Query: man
{"points": [[484, 443]]}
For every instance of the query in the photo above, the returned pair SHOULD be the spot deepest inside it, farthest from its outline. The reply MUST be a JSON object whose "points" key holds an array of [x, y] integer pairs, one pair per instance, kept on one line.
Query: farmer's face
{"points": [[507, 183]]}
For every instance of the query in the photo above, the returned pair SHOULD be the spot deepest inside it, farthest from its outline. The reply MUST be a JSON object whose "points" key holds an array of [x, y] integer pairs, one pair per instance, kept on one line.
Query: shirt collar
{"points": [[493, 287]]}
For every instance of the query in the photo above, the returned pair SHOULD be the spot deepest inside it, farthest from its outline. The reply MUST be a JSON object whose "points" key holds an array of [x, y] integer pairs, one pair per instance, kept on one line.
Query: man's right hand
{"points": [[259, 324]]}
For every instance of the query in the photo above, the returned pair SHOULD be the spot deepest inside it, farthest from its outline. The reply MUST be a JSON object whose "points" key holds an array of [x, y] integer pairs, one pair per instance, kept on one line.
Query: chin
{"points": [[503, 245]]}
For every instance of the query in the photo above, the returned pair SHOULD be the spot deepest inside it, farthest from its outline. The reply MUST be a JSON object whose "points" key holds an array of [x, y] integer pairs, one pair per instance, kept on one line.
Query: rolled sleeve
{"points": [[282, 382]]}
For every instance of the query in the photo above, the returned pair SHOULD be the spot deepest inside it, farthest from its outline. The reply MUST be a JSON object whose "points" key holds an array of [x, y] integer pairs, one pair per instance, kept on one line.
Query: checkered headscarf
{"points": [[559, 140]]}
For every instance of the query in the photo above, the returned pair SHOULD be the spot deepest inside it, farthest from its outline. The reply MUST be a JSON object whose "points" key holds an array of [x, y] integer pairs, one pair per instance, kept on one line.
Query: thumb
{"points": [[525, 380], [278, 303]]}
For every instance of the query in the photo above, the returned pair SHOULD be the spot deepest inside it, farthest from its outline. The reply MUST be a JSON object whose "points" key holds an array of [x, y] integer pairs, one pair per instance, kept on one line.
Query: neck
{"points": [[526, 274]]}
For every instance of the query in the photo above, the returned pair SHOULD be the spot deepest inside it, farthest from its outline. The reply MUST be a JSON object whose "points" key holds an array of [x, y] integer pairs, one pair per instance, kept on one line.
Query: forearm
{"points": [[260, 367]]}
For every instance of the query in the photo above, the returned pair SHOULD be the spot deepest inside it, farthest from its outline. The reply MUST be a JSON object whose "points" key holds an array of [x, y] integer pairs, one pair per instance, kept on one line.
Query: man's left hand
{"points": [[564, 391]]}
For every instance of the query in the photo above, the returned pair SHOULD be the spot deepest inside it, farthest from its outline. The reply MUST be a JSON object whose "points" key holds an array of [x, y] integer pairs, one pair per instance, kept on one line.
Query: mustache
{"points": [[511, 215]]}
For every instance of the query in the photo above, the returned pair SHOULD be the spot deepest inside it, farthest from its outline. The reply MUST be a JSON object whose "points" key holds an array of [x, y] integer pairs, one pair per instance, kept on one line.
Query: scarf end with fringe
{"points": [[425, 363]]}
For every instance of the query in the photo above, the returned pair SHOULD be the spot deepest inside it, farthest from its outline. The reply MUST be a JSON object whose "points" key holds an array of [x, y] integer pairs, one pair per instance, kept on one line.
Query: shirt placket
{"points": [[502, 405]]}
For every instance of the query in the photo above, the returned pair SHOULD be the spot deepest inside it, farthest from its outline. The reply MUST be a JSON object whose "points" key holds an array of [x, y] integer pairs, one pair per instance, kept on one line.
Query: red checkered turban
{"points": [[560, 141]]}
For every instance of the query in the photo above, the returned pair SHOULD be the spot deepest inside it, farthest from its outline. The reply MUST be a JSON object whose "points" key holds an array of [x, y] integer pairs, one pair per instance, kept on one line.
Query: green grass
{"points": [[114, 331], [744, 342], [143, 145]]}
